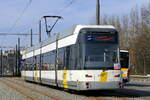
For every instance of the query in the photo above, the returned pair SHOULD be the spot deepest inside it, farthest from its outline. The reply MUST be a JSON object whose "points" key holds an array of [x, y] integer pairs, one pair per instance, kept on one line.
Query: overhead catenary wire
{"points": [[7, 47], [26, 34], [62, 10], [59, 12], [66, 7], [20, 16]]}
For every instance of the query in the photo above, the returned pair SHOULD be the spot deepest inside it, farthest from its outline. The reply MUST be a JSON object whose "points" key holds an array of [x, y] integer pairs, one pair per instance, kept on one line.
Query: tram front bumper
{"points": [[100, 85]]}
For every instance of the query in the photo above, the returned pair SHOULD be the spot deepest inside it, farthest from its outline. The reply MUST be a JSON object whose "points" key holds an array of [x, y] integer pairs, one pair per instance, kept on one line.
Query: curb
{"points": [[140, 80]]}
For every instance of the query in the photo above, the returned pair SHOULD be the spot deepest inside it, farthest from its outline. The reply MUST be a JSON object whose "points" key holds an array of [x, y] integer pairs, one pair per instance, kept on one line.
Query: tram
{"points": [[125, 66], [85, 57]]}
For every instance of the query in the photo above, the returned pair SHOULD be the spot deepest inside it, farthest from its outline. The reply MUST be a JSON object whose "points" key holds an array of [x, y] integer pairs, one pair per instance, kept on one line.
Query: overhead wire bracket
{"points": [[46, 26]]}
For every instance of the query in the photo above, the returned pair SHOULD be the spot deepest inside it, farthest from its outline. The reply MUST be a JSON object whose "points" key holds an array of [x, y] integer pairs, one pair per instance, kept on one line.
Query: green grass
{"points": [[139, 76]]}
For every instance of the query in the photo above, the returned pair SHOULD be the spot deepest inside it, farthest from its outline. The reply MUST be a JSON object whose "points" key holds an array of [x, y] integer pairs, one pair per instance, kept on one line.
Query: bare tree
{"points": [[134, 33]]}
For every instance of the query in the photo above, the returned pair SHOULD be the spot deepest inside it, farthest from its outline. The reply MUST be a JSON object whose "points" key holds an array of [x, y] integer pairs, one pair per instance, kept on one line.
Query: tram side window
{"points": [[61, 57], [73, 58], [38, 62], [79, 57], [51, 60], [70, 57], [45, 61], [31, 63], [67, 56], [34, 63], [41, 62], [26, 64], [23, 64]]}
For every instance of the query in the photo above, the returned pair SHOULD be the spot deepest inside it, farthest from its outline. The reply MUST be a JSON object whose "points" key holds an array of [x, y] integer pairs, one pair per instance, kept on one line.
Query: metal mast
{"points": [[1, 62], [31, 38], [98, 12]]}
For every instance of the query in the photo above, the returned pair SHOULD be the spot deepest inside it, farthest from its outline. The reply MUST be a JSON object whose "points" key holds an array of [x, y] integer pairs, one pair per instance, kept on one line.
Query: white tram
{"points": [[86, 57]]}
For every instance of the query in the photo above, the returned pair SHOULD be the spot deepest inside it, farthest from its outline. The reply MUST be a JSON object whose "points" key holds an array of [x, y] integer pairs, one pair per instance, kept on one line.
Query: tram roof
{"points": [[73, 30], [124, 51]]}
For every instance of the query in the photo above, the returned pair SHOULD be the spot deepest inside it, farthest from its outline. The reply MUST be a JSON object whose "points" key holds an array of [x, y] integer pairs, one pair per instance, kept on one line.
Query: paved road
{"points": [[18, 89]]}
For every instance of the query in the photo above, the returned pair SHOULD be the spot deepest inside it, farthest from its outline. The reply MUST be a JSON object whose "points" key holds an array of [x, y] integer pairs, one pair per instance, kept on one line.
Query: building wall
{"points": [[8, 62]]}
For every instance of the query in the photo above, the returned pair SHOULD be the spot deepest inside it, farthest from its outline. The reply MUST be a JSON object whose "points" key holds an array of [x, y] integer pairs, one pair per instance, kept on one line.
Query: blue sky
{"points": [[80, 12]]}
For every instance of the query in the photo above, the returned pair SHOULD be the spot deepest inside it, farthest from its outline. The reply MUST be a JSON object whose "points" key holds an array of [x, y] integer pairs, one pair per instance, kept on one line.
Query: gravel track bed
{"points": [[44, 92], [68, 95], [64, 95], [9, 93], [38, 95]]}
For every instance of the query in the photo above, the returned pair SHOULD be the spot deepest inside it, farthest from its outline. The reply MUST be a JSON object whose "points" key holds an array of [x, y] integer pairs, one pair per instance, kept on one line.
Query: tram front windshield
{"points": [[101, 51]]}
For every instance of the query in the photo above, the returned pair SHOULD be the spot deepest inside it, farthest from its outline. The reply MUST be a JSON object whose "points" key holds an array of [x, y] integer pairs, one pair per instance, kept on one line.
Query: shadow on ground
{"points": [[139, 85], [129, 93]]}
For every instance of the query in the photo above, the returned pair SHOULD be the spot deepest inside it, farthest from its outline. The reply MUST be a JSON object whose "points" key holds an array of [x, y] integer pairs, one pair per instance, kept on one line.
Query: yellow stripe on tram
{"points": [[124, 69], [65, 79], [103, 76], [36, 77], [124, 72]]}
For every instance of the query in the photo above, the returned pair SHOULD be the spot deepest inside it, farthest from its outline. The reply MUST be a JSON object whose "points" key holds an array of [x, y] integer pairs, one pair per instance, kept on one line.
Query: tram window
{"points": [[34, 62], [70, 57], [48, 60], [67, 55], [100, 55], [45, 65], [73, 57], [79, 55], [38, 62], [51, 59], [61, 57]]}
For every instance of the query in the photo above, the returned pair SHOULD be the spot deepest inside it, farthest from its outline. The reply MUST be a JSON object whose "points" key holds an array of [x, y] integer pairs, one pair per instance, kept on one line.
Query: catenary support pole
{"points": [[40, 31], [98, 12], [19, 58], [1, 62], [31, 38], [16, 71]]}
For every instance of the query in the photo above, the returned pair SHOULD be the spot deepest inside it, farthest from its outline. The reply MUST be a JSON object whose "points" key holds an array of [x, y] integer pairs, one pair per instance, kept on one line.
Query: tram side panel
{"points": [[48, 77], [83, 80], [29, 75], [78, 79]]}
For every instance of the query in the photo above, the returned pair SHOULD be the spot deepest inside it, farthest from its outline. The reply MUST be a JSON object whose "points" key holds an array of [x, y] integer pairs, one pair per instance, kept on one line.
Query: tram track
{"points": [[34, 90], [45, 94], [97, 98], [18, 88], [20, 91], [107, 95], [117, 95], [112, 98]]}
